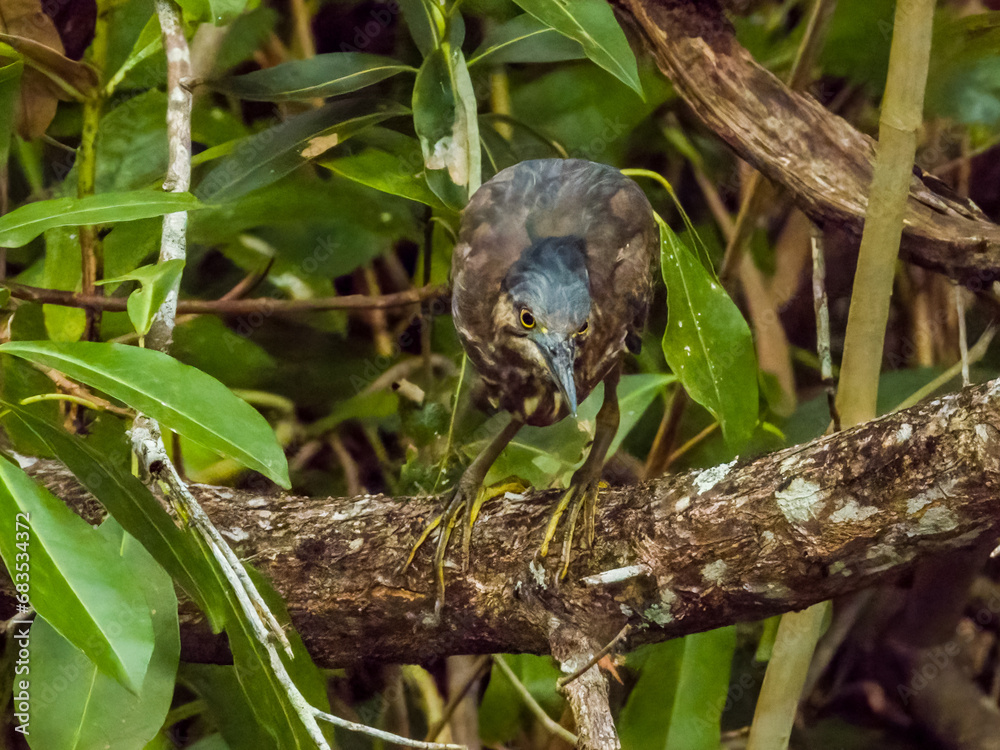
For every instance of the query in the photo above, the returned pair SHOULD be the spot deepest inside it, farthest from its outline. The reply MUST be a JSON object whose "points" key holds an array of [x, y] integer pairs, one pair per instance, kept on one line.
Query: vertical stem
{"points": [[902, 110], [902, 113], [90, 244], [173, 242]]}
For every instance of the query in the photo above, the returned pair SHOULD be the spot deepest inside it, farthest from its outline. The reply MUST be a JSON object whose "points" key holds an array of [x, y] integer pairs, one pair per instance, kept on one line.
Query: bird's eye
{"points": [[583, 329], [527, 319]]}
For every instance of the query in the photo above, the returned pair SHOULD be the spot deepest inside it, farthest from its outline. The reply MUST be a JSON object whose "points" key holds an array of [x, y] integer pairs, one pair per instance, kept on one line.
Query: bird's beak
{"points": [[560, 354]]}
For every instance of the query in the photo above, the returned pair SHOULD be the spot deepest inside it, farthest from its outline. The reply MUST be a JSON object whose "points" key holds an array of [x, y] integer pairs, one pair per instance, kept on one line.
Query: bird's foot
{"points": [[465, 504], [581, 496]]}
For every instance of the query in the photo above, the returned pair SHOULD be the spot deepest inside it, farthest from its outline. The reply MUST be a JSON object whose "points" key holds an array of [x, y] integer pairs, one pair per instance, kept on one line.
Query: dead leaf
{"points": [[38, 96], [79, 75], [608, 665], [320, 145]]}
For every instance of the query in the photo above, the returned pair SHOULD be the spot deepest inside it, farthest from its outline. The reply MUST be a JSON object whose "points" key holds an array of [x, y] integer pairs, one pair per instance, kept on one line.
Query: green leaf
{"points": [[591, 23], [525, 39], [398, 171], [503, 713], [156, 282], [75, 705], [22, 225], [707, 343], [180, 397], [266, 157], [544, 456], [74, 578], [63, 271], [133, 506], [678, 700], [426, 22], [228, 705], [447, 124], [320, 76], [219, 12]]}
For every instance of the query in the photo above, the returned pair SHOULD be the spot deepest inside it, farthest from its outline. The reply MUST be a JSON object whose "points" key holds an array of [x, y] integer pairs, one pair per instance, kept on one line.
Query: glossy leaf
{"points": [[63, 271], [678, 700], [445, 118], [544, 456], [75, 706], [180, 397], [266, 157], [525, 39], [591, 23], [74, 578], [131, 503], [707, 343], [391, 173], [426, 22], [22, 225], [156, 281], [320, 76]]}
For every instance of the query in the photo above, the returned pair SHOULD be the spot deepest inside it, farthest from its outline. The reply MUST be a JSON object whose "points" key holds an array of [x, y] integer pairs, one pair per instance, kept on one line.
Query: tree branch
{"points": [[682, 554], [824, 162], [230, 306]]}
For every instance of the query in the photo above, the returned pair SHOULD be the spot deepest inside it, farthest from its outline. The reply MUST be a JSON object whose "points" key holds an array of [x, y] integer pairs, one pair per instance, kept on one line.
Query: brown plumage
{"points": [[551, 281], [518, 208]]}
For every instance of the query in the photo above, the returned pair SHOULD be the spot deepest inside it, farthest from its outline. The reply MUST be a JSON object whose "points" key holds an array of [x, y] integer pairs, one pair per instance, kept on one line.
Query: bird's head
{"points": [[544, 312]]}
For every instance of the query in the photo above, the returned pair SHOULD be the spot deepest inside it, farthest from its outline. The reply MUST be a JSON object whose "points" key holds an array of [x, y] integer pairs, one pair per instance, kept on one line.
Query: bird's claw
{"points": [[581, 495], [457, 509]]}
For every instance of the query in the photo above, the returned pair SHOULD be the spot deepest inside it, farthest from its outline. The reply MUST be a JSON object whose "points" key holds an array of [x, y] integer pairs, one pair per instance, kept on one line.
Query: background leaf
{"points": [[264, 158], [180, 397], [707, 342], [678, 700], [78, 581], [76, 706], [23, 224], [156, 281], [320, 76], [525, 39], [591, 23]]}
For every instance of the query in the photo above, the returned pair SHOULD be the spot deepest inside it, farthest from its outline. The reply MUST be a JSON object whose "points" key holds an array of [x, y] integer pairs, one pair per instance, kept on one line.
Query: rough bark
{"points": [[824, 162], [685, 553]]}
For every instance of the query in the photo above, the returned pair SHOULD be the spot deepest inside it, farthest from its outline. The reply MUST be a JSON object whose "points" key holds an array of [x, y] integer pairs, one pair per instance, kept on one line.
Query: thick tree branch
{"points": [[794, 141], [683, 554]]}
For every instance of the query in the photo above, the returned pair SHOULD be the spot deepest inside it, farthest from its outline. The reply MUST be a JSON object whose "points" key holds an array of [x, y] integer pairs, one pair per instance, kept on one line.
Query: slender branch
{"points": [[824, 162], [92, 260], [681, 554], [529, 700], [230, 307]]}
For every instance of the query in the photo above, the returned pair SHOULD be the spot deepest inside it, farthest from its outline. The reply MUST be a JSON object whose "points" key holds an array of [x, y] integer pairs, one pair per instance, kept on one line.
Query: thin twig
{"points": [[226, 307], [822, 309], [395, 739], [557, 729], [564, 681], [976, 353], [479, 668], [963, 341]]}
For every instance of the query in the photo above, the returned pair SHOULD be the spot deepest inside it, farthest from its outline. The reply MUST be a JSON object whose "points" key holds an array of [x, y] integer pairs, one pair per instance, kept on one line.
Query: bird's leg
{"points": [[464, 501], [582, 492]]}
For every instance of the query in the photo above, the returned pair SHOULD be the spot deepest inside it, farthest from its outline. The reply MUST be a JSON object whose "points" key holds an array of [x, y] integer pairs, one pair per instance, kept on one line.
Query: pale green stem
{"points": [[902, 110], [902, 114]]}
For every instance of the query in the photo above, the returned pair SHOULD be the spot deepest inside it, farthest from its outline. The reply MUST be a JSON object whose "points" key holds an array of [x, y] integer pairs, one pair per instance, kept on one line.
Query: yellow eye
{"points": [[583, 329], [527, 319]]}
